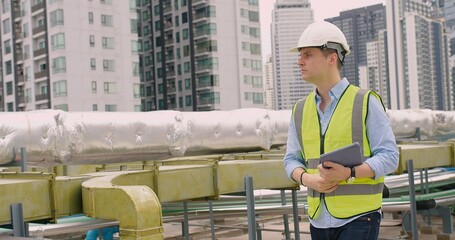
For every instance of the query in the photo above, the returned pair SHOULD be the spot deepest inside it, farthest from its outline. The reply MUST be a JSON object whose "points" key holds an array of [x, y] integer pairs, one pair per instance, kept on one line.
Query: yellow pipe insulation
{"points": [[137, 208]]}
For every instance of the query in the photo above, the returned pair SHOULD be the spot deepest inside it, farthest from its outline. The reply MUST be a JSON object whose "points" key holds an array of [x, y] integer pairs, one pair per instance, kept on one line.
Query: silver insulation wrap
{"points": [[53, 137]]}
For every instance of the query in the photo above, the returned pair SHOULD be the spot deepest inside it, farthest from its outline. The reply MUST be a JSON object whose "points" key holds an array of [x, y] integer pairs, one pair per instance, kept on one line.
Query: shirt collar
{"points": [[336, 90]]}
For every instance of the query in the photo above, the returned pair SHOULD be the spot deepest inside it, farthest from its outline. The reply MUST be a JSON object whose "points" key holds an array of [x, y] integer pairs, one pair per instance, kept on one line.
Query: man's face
{"points": [[313, 64]]}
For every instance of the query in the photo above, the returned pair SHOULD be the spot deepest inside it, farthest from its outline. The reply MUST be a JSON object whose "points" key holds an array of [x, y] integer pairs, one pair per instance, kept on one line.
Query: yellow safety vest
{"points": [[347, 125]]}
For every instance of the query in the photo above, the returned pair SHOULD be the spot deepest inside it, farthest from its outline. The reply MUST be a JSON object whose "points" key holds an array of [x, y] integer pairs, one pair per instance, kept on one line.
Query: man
{"points": [[343, 203]]}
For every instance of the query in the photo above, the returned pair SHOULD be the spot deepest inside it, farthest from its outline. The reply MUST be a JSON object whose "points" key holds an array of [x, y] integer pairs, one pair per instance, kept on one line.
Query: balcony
{"points": [[37, 7], [18, 36], [41, 97], [40, 74], [39, 52], [201, 35], [198, 3], [21, 101], [20, 79], [171, 90], [169, 42], [200, 17], [38, 29], [19, 57]]}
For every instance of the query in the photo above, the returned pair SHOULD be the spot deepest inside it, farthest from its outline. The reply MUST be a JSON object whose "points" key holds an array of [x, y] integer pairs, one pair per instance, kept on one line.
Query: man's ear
{"points": [[333, 58]]}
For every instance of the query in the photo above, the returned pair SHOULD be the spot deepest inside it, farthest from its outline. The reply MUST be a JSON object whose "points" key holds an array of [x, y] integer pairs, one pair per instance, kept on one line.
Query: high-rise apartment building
{"points": [[377, 71], [449, 15], [418, 56], [289, 20], [201, 55], [135, 55], [360, 26], [70, 55], [269, 84]]}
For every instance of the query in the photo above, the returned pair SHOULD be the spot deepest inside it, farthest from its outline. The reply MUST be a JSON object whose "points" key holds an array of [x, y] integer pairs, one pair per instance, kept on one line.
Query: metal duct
{"points": [[53, 137]]}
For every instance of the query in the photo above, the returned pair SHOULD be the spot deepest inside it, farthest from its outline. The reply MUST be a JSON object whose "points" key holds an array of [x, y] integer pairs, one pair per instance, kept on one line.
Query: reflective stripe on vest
{"points": [[350, 119]]}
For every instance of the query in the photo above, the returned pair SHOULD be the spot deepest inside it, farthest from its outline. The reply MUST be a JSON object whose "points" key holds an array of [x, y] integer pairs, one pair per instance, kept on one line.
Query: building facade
{"points": [[138, 55], [289, 20], [69, 55], [201, 55], [360, 26], [418, 51], [269, 84]]}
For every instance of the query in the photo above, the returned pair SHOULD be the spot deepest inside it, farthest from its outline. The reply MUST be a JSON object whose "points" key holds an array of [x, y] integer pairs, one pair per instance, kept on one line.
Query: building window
{"points": [[43, 89], [134, 25], [63, 107], [184, 17], [7, 46], [137, 91], [147, 61], [186, 51], [90, 18], [28, 95], [185, 33], [92, 40], [147, 46], [8, 68], [6, 26], [110, 108], [5, 6], [10, 107], [95, 107], [109, 2], [188, 101], [146, 30], [107, 21], [9, 88], [58, 41], [109, 65], [56, 17], [94, 87], [25, 31], [187, 84], [110, 87], [27, 74], [60, 88], [186, 67], [258, 98], [93, 63], [135, 47], [253, 16], [148, 76], [59, 65], [108, 42], [26, 51], [135, 69], [42, 67], [40, 22]]}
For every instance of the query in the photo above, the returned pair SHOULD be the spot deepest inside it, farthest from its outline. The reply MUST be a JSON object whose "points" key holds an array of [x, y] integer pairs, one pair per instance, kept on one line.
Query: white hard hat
{"points": [[323, 34]]}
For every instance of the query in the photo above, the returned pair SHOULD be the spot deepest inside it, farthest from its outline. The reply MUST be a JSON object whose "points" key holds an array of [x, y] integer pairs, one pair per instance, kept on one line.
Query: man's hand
{"points": [[333, 172], [320, 184]]}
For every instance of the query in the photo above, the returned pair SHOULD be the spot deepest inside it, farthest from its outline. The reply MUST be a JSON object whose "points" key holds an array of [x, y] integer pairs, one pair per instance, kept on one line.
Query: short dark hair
{"points": [[328, 51]]}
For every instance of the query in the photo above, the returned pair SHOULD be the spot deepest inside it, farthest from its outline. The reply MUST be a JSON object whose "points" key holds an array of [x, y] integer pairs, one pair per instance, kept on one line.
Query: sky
{"points": [[322, 9]]}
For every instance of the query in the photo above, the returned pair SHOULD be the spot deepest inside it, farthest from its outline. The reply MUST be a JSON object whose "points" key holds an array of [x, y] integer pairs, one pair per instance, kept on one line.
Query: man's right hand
{"points": [[316, 182]]}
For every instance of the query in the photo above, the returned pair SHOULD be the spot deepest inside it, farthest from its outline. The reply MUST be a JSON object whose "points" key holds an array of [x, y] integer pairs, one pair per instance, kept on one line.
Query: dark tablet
{"points": [[348, 156]]}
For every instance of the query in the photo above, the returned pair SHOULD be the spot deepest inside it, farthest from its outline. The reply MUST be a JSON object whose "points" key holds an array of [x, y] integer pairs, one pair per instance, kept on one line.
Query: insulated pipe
{"points": [[53, 137], [137, 208]]}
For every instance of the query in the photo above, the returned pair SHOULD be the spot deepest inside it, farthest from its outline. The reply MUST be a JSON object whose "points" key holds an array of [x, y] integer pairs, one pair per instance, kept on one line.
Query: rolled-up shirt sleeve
{"points": [[293, 158], [383, 145]]}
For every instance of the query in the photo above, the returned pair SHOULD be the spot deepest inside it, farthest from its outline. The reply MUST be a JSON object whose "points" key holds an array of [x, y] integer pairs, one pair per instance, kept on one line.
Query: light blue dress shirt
{"points": [[382, 143]]}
